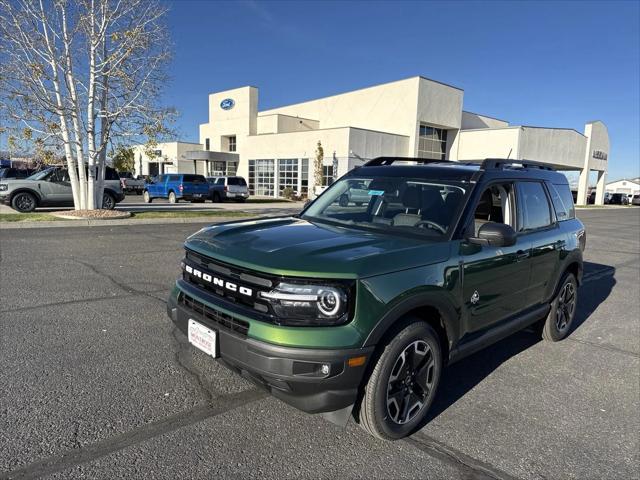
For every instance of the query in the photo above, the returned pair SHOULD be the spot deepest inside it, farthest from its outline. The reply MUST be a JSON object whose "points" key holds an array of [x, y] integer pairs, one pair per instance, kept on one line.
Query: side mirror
{"points": [[495, 235]]}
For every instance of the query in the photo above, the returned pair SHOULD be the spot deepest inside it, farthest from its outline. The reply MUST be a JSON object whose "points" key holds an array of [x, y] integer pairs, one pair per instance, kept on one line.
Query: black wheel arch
{"points": [[27, 190], [433, 308]]}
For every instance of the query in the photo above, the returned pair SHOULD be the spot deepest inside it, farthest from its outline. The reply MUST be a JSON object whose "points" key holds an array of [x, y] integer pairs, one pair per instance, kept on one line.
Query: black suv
{"points": [[398, 268]]}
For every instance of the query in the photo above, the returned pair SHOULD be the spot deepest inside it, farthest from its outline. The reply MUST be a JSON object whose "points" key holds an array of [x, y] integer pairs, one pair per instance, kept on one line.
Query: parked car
{"points": [[618, 199], [51, 187], [228, 188], [132, 184], [176, 187], [357, 311], [8, 173], [357, 195], [635, 200]]}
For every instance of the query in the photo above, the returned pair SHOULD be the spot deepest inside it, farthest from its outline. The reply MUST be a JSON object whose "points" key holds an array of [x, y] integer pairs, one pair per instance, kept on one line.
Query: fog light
{"points": [[324, 369]]}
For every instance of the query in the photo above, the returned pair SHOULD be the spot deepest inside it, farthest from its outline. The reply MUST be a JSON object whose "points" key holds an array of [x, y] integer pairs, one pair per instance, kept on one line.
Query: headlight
{"points": [[3, 187], [308, 304]]}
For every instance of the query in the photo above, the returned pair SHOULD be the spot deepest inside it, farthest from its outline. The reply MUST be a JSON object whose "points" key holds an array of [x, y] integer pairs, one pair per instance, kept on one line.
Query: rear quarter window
{"points": [[562, 200]]}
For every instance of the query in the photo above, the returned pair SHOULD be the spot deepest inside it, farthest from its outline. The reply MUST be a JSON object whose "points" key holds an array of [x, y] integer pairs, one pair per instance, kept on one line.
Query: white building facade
{"points": [[415, 117]]}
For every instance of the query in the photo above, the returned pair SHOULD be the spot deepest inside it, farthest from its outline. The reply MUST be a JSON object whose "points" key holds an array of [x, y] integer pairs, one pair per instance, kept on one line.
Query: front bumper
{"points": [[293, 375]]}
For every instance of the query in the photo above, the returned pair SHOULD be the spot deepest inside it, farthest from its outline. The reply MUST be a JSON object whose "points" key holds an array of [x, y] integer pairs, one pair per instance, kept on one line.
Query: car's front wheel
{"points": [[108, 201], [24, 202], [403, 383], [563, 310]]}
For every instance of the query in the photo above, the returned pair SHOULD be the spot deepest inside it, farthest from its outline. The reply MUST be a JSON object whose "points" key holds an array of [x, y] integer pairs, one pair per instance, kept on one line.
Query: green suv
{"points": [[354, 308]]}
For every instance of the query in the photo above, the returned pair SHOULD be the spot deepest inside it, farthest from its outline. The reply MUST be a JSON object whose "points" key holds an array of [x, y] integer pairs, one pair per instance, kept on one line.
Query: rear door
{"points": [[57, 188], [537, 225]]}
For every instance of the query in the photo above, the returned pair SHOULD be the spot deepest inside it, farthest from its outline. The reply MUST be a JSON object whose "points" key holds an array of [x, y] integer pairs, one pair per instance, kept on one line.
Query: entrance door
{"points": [[495, 279], [154, 169]]}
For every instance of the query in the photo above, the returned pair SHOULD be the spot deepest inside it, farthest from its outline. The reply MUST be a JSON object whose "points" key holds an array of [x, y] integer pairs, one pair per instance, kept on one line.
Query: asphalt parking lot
{"points": [[96, 383]]}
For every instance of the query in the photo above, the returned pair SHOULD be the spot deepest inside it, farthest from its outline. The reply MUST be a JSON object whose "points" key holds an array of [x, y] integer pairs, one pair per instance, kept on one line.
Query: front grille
{"points": [[220, 319]]}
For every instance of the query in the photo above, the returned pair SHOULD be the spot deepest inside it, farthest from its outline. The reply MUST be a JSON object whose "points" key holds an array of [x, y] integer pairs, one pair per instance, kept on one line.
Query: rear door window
{"points": [[562, 200], [174, 178], [533, 207]]}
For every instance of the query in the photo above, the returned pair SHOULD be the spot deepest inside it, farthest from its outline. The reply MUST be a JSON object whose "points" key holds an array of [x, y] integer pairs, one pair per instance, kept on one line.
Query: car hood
{"points": [[295, 247]]}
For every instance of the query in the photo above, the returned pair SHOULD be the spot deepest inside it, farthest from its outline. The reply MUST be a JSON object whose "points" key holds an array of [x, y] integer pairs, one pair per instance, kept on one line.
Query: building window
{"points": [[287, 175], [327, 175], [232, 143], [206, 144], [432, 143], [232, 168], [304, 176], [261, 177]]}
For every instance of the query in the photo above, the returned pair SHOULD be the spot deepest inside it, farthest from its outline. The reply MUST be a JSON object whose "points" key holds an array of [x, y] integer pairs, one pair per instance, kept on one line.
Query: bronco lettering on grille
{"points": [[218, 282]]}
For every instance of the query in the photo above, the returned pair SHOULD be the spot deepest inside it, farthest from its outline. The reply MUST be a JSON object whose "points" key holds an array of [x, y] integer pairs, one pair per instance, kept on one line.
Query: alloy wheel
{"points": [[107, 202], [566, 306], [24, 202], [410, 382]]}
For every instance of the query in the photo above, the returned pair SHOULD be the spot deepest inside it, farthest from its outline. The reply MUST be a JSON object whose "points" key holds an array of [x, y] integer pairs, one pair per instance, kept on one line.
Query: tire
{"points": [[384, 416], [344, 201], [108, 201], [563, 310], [172, 198], [146, 197], [216, 197], [24, 202]]}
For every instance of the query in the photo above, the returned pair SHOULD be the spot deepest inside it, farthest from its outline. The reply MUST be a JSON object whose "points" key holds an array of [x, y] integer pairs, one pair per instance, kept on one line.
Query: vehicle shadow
{"points": [[461, 377]]}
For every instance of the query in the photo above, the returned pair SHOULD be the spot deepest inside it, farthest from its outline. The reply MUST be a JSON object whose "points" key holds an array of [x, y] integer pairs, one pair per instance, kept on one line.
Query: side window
{"points": [[220, 181], [174, 178], [495, 205], [533, 207], [162, 178], [562, 200]]}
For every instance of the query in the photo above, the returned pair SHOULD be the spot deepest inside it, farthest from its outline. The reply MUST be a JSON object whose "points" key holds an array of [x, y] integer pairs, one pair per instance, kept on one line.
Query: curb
{"points": [[115, 222]]}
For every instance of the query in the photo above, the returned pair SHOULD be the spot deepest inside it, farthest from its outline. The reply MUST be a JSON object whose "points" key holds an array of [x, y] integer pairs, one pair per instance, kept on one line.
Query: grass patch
{"points": [[192, 214], [268, 200], [27, 217]]}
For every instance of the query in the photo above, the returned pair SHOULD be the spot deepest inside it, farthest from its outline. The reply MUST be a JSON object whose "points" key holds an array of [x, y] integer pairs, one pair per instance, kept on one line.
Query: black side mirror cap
{"points": [[495, 235]]}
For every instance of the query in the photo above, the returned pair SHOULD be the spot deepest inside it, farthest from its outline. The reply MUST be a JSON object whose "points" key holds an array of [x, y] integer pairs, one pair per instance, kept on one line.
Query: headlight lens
{"points": [[298, 304], [4, 187]]}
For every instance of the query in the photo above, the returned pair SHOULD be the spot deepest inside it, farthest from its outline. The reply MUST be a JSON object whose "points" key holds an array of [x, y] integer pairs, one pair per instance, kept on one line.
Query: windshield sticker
{"points": [[373, 193]]}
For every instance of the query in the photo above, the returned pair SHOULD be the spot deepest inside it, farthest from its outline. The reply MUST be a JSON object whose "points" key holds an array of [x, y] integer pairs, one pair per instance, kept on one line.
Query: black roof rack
{"points": [[379, 161], [502, 163]]}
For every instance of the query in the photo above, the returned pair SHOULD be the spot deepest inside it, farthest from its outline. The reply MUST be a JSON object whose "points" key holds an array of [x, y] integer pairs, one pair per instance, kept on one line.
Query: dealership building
{"points": [[416, 117]]}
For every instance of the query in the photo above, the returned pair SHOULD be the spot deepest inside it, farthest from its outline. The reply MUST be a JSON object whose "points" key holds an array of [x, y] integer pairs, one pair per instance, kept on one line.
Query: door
{"points": [[537, 225], [495, 279], [57, 188]]}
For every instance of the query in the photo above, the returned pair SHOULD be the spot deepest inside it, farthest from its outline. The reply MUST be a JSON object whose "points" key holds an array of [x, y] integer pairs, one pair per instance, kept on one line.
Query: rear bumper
{"points": [[293, 375]]}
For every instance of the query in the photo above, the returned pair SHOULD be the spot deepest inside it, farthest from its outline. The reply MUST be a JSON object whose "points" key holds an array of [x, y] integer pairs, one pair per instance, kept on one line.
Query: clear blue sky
{"points": [[556, 64]]}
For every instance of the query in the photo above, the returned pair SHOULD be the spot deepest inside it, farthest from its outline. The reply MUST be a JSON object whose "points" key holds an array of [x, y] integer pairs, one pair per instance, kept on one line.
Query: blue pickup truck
{"points": [[175, 187]]}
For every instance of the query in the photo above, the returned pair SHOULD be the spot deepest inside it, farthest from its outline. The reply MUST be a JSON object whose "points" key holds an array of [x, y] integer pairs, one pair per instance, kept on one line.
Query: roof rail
{"points": [[379, 161], [502, 163]]}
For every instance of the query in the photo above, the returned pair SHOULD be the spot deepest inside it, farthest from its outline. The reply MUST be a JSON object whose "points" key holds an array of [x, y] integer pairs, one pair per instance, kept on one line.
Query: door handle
{"points": [[522, 254]]}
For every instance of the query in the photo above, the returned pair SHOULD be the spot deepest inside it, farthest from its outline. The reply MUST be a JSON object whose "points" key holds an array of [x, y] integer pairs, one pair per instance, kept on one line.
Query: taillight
{"points": [[180, 187], [226, 189]]}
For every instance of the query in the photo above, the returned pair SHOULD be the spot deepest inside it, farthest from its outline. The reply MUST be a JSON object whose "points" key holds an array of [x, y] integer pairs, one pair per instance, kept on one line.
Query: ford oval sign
{"points": [[227, 104]]}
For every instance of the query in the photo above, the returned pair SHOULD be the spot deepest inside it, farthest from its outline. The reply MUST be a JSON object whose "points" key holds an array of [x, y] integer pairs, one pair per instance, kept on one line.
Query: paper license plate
{"points": [[203, 338]]}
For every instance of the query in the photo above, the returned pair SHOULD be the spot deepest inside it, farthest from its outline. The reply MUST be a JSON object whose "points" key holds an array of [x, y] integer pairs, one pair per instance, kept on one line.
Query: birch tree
{"points": [[83, 74]]}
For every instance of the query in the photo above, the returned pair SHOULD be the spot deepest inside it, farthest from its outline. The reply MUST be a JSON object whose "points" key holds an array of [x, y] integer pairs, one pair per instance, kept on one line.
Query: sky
{"points": [[544, 63]]}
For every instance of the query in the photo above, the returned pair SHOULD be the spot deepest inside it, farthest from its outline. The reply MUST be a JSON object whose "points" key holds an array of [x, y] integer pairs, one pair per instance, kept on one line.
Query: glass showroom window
{"points": [[304, 176], [232, 143], [261, 177], [287, 174], [432, 142], [232, 168], [327, 175]]}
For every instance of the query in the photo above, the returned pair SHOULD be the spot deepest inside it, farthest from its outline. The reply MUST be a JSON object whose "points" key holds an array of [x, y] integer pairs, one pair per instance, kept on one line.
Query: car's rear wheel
{"points": [[108, 201], [24, 202], [146, 197], [563, 310], [216, 197], [402, 384], [172, 197]]}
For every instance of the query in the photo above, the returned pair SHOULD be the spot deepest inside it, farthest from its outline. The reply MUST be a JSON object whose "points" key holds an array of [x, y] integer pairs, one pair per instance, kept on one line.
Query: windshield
{"points": [[41, 174], [391, 204]]}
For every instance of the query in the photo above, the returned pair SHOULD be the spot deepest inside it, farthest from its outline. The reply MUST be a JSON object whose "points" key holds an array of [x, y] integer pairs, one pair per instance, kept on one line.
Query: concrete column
{"points": [[583, 187], [602, 176]]}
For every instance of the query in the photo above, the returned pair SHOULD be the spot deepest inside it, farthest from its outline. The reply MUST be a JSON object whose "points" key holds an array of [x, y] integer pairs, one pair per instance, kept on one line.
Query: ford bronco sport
{"points": [[355, 308]]}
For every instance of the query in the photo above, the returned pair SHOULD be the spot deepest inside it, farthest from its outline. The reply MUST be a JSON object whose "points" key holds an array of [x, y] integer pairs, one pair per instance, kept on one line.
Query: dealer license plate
{"points": [[197, 195], [203, 338]]}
